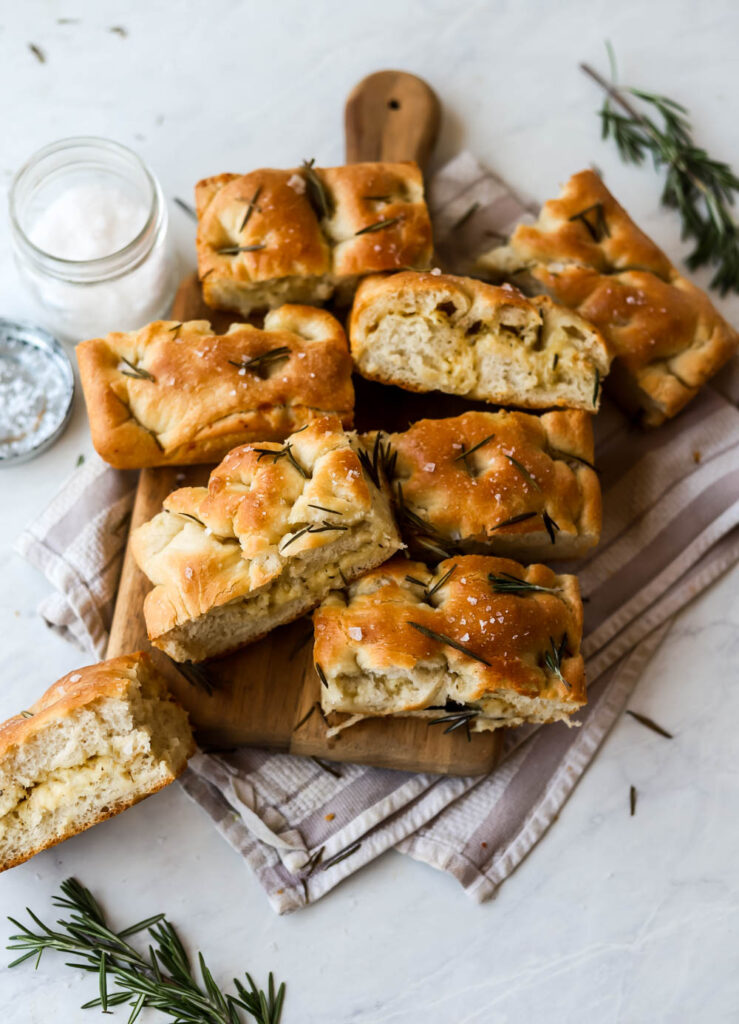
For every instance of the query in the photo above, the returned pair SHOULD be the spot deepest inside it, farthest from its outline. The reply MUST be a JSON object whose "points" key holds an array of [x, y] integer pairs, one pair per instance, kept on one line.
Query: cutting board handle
{"points": [[393, 116]]}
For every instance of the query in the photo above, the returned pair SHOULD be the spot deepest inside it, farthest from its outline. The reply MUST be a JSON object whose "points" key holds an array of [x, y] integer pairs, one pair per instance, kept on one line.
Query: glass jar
{"points": [[89, 229]]}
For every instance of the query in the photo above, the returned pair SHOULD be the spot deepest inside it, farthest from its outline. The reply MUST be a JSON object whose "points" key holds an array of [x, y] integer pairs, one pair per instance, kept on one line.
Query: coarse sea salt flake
{"points": [[429, 467], [75, 678], [355, 632], [297, 183], [472, 600], [188, 572], [465, 637]]}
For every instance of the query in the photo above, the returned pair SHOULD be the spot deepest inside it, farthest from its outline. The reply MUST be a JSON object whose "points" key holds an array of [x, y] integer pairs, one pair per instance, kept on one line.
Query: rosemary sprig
{"points": [[423, 533], [136, 371], [699, 187], [251, 207], [234, 250], [379, 225], [381, 461], [550, 525], [162, 980], [553, 659], [523, 471], [316, 192], [457, 720], [506, 583], [428, 592], [442, 638], [257, 364], [513, 520], [650, 724], [474, 448], [281, 453], [312, 528], [598, 230]]}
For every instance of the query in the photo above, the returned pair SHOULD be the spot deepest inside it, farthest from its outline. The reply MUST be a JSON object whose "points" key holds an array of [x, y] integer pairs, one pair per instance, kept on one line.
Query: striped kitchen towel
{"points": [[671, 503]]}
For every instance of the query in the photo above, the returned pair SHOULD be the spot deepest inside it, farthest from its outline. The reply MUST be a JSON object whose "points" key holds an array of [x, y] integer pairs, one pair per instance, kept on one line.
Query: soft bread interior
{"points": [[302, 584], [87, 765], [537, 357]]}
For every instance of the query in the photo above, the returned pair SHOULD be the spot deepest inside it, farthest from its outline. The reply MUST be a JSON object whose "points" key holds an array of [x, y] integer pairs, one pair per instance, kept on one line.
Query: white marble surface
{"points": [[612, 918]]}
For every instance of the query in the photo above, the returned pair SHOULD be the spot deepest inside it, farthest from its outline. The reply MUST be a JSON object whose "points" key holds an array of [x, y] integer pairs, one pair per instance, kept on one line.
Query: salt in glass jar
{"points": [[89, 229]]}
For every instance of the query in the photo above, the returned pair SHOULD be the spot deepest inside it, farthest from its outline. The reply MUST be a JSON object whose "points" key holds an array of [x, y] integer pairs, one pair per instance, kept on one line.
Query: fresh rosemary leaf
{"points": [[233, 250], [514, 519], [701, 188], [474, 448], [555, 360], [26, 714], [135, 371], [549, 525], [506, 583], [80, 460], [251, 207], [553, 659], [259, 363], [448, 640], [556, 453], [465, 217], [632, 800], [312, 861], [457, 720], [282, 453], [596, 386], [598, 230], [379, 199], [321, 674], [305, 718], [326, 766], [379, 225], [440, 583], [650, 724], [196, 675], [322, 508], [419, 583], [186, 208], [524, 472], [316, 192], [298, 646], [161, 980]]}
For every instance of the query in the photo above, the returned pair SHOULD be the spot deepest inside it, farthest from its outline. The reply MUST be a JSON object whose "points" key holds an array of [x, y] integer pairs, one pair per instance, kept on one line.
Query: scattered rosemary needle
{"points": [[258, 363], [186, 208], [524, 472], [457, 720], [326, 766], [162, 979], [196, 675], [37, 52], [379, 225], [234, 250], [305, 718], [135, 371], [596, 386], [469, 213], [513, 520], [322, 508], [448, 640], [251, 207], [26, 714], [474, 448], [378, 199], [316, 191], [632, 800], [341, 855], [550, 526], [699, 187], [650, 724], [321, 674], [597, 227], [506, 583], [281, 453], [80, 460]]}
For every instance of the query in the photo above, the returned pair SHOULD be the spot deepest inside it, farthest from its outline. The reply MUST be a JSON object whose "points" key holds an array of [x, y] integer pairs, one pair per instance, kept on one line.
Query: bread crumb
{"points": [[329, 817], [696, 456]]}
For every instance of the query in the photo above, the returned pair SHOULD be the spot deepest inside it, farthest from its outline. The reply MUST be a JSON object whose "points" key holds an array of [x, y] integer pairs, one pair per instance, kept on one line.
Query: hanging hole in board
{"points": [[394, 104]]}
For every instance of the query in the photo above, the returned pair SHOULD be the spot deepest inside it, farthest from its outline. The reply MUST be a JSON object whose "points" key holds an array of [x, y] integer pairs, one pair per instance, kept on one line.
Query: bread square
{"points": [[307, 234], [497, 483], [665, 335], [478, 643], [436, 332], [276, 528], [177, 393], [99, 740]]}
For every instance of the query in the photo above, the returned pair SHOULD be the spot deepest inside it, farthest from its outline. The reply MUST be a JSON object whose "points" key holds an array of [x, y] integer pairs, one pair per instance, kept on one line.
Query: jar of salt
{"points": [[89, 227]]}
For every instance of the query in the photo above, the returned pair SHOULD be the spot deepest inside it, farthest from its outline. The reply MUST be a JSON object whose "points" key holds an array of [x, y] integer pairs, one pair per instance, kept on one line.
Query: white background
{"points": [[611, 918]]}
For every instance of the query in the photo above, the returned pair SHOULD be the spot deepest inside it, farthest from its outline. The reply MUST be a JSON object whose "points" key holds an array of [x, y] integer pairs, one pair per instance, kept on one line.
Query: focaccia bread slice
{"points": [[665, 335], [305, 234], [99, 740], [480, 643], [178, 394], [497, 483], [436, 332], [277, 527]]}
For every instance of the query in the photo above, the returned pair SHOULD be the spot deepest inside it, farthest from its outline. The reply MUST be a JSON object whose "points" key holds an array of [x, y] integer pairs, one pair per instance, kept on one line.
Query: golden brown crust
{"points": [[261, 514], [369, 631], [665, 332], [528, 466], [299, 256], [202, 401], [433, 331]]}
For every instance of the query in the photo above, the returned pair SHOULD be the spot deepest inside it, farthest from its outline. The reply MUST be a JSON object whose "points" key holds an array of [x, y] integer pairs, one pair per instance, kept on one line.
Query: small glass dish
{"points": [[79, 298], [36, 391]]}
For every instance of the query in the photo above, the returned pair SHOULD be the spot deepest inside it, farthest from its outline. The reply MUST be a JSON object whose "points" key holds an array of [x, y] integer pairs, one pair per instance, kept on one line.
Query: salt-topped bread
{"points": [[99, 740], [307, 234], [666, 337], [479, 643], [276, 528], [499, 483], [436, 332], [177, 393]]}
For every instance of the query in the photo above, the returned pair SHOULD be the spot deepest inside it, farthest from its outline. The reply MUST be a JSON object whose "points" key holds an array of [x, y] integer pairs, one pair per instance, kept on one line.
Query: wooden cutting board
{"points": [[268, 694]]}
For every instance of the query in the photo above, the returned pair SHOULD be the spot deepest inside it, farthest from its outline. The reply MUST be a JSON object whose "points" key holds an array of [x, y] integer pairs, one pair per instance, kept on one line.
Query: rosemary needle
{"points": [[650, 724], [448, 640]]}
